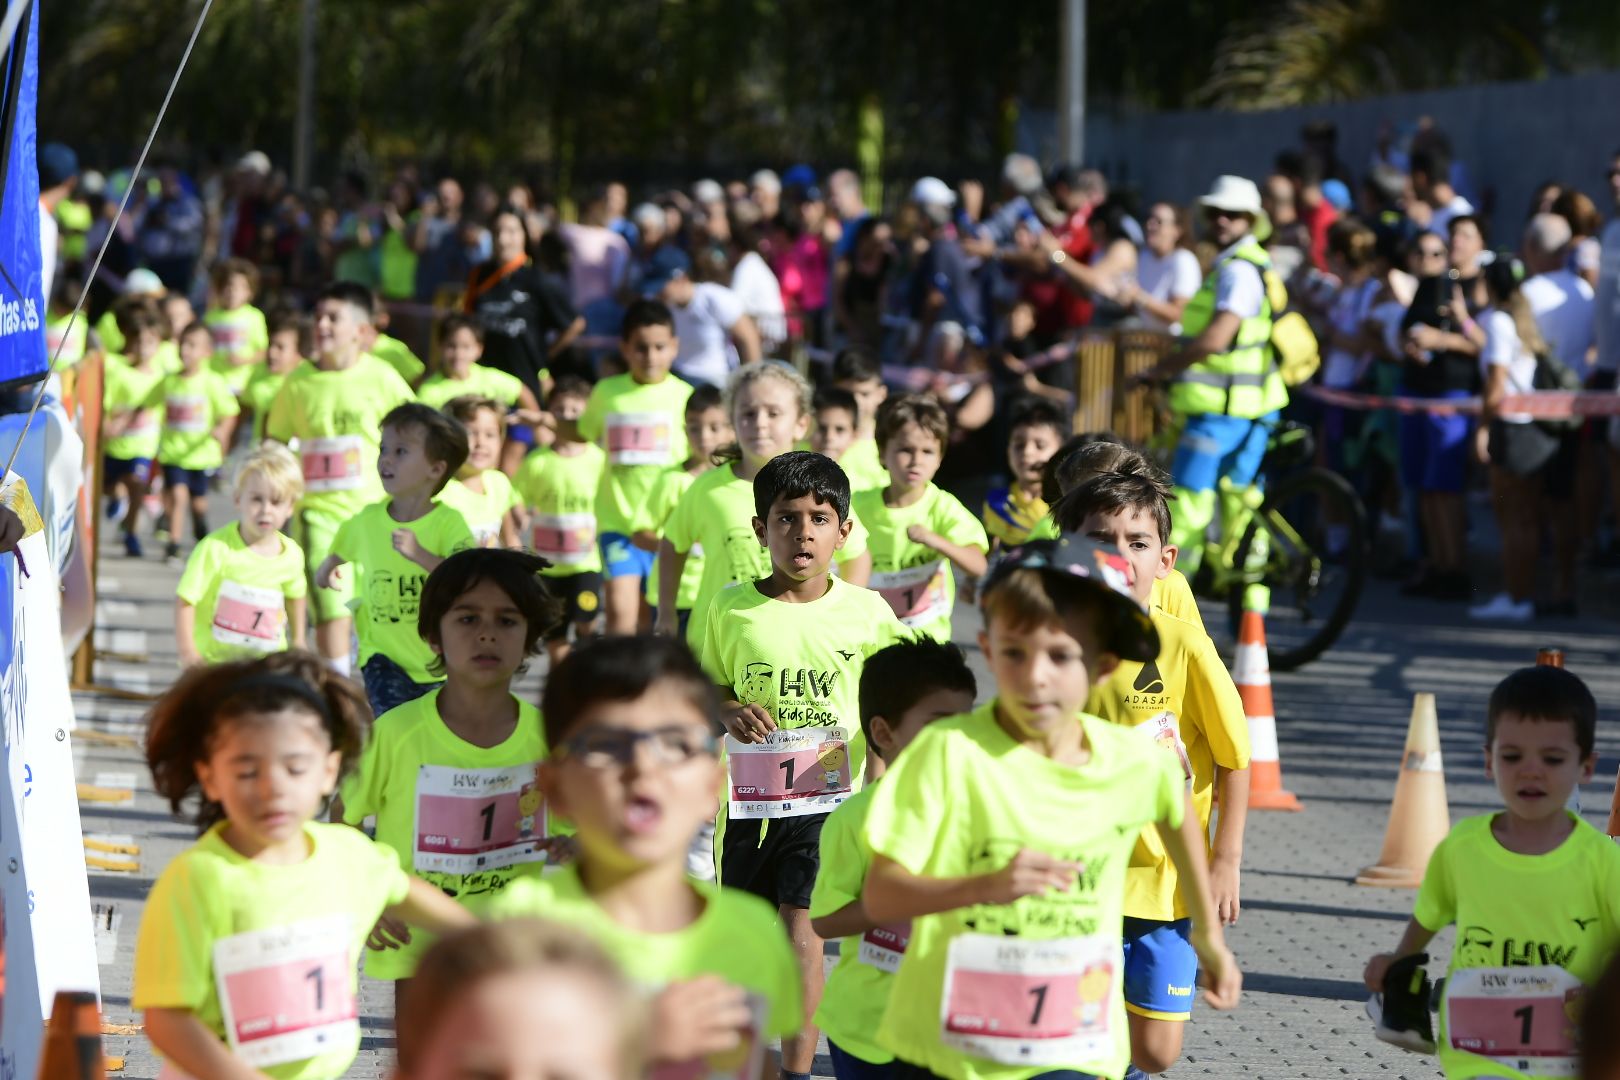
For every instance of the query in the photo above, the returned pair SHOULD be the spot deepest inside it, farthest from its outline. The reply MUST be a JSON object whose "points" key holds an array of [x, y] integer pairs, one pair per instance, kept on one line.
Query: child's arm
{"points": [[1186, 849], [324, 572], [646, 540], [1227, 861], [431, 909], [893, 893], [511, 534], [528, 409], [671, 564], [847, 920], [296, 611], [858, 571], [1414, 940], [745, 723], [185, 627], [408, 545], [223, 431], [970, 560], [187, 1044]]}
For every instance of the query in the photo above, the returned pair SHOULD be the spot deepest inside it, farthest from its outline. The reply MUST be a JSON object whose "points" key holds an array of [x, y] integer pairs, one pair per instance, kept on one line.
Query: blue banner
{"points": [[22, 299]]}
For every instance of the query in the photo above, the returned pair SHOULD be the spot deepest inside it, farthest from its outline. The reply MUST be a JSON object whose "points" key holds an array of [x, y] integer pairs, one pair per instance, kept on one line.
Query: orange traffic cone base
{"points": [[1274, 800]]}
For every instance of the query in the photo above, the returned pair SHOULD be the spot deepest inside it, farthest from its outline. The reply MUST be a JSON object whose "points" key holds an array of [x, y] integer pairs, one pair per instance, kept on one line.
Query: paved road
{"points": [[1305, 930]]}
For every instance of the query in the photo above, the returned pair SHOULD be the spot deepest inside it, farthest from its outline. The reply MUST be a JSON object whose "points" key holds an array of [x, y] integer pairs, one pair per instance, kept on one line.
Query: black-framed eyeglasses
{"points": [[610, 747]]}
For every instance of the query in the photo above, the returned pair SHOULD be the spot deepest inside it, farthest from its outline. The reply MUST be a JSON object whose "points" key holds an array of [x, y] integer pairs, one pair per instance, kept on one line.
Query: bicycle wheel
{"points": [[1308, 544]]}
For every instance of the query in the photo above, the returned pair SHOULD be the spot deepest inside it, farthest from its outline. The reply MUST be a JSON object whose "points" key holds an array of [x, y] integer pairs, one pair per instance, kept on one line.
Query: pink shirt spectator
{"points": [[598, 258], [801, 266]]}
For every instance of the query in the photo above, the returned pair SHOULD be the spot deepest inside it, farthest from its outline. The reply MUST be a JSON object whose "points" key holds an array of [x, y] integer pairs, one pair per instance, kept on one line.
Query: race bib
{"points": [[1020, 1002], [793, 773], [883, 947], [287, 992], [187, 415], [917, 594], [477, 819], [249, 617], [229, 338], [1523, 1017], [143, 422], [640, 438], [332, 464], [743, 1063], [563, 539], [1165, 730]]}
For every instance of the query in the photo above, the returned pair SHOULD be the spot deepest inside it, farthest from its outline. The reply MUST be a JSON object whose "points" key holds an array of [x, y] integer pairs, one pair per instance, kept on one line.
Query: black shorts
{"points": [[581, 595], [781, 867], [1521, 449]]}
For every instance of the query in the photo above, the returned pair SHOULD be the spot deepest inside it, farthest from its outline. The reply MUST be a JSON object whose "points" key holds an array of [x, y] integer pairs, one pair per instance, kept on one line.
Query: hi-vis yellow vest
{"points": [[1244, 380]]}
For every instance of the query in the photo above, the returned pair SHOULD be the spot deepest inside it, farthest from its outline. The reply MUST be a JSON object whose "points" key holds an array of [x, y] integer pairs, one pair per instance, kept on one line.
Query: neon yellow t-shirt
{"points": [[864, 467], [965, 798], [440, 390], [192, 407], [336, 416], [213, 912], [666, 494], [1523, 918], [1012, 514], [398, 355], [238, 334], [801, 663], [126, 390], [1175, 596], [560, 492], [73, 342], [918, 582], [857, 992], [112, 338], [642, 428], [485, 510], [717, 514], [432, 791], [240, 596], [261, 390], [388, 586], [737, 938], [1185, 703]]}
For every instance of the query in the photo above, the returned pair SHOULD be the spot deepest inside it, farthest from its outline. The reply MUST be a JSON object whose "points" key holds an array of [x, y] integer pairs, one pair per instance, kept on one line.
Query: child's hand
{"points": [[1029, 874], [748, 723], [560, 849], [667, 624], [389, 933], [327, 572], [1223, 888], [1376, 969], [920, 534], [697, 1018], [406, 543], [1218, 972]]}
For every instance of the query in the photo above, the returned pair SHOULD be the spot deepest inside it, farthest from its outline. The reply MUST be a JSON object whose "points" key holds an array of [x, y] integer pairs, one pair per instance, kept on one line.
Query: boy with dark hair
{"points": [[461, 346], [1012, 512], [708, 429], [288, 343], [240, 335], [787, 651], [199, 417], [837, 418], [1532, 888], [857, 370], [395, 544]]}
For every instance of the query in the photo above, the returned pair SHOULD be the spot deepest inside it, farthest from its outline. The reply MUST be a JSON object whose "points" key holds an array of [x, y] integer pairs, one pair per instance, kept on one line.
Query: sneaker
{"points": [[132, 546], [116, 508], [1400, 1014], [171, 554], [1503, 608]]}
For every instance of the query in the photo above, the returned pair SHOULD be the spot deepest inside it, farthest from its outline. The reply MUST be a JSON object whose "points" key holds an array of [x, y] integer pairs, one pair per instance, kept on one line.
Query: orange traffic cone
{"points": [[1251, 671], [72, 1049], [1419, 817]]}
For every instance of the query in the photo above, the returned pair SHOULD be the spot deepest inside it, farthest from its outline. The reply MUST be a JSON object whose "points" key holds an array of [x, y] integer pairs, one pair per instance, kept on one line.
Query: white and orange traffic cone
{"points": [[1419, 816], [1251, 671]]}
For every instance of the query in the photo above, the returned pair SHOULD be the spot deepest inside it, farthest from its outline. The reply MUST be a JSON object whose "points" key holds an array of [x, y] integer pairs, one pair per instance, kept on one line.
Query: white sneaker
{"points": [[1503, 608]]}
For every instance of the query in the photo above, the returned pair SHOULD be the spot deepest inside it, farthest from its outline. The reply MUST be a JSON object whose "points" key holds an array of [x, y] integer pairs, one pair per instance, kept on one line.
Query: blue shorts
{"points": [[621, 558], [388, 686], [522, 434], [115, 469], [1214, 445], [193, 480], [1434, 449], [1161, 968]]}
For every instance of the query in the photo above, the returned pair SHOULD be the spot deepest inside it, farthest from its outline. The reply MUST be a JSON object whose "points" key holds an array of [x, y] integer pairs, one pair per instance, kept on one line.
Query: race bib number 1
{"points": [[249, 617], [332, 464], [1523, 1017], [917, 595], [639, 438], [563, 539], [477, 819], [287, 992], [1021, 1002], [793, 773]]}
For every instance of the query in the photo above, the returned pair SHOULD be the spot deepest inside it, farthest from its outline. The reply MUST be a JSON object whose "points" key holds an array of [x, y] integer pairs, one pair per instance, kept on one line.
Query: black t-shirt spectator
{"points": [[1447, 372], [521, 310]]}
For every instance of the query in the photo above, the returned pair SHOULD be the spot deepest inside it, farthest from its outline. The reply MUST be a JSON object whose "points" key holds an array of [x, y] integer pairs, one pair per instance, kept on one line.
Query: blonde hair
{"points": [[279, 468], [459, 961], [467, 406], [747, 376]]}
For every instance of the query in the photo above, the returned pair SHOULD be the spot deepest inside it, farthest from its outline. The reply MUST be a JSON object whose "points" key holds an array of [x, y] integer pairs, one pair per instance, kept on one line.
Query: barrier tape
{"points": [[1541, 405]]}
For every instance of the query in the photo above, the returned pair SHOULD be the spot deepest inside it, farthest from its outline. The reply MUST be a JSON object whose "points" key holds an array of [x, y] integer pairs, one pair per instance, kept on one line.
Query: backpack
{"points": [[1553, 374], [1293, 342]]}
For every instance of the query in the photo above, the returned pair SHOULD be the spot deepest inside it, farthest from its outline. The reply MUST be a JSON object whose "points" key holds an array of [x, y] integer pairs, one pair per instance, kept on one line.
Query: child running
{"points": [[243, 588], [483, 493], [461, 346], [837, 415], [857, 372], [558, 486], [450, 776], [284, 354], [918, 535], [1531, 889], [199, 414], [130, 415], [634, 766], [787, 651], [245, 965], [240, 335], [1183, 701], [708, 428], [394, 544], [1011, 512], [904, 688], [1004, 835]]}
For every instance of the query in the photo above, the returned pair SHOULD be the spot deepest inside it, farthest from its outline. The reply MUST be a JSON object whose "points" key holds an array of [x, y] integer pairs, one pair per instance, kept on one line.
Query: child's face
{"points": [[195, 349], [891, 738], [403, 464], [1031, 447], [1134, 532], [637, 778], [1045, 672], [338, 328], [767, 418], [179, 311], [869, 394], [271, 772], [460, 350], [567, 408], [802, 535], [236, 292], [1535, 764], [833, 433], [707, 430], [282, 353], [483, 440], [529, 1025], [261, 508], [144, 345], [650, 352], [912, 457], [481, 637]]}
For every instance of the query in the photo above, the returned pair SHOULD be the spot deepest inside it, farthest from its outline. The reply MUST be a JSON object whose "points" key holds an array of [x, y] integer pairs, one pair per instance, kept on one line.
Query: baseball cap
{"points": [[665, 265], [932, 191], [57, 164], [255, 161], [142, 282], [708, 191], [799, 176], [1127, 631], [1336, 193]]}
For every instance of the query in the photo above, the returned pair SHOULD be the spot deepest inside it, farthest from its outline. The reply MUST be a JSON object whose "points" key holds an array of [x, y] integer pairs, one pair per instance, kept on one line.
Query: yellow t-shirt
{"points": [[217, 923], [126, 390], [464, 818], [666, 495], [737, 937], [1185, 703], [1538, 925], [439, 390], [388, 586], [240, 596], [962, 800], [1174, 595], [717, 514], [336, 416], [398, 355], [485, 510], [560, 492], [72, 342], [238, 333], [918, 582], [642, 429], [1011, 514], [863, 466], [192, 407], [261, 390]]}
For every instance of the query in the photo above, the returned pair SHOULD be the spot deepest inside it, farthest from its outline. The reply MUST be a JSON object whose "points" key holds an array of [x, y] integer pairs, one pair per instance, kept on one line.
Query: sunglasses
{"points": [[610, 747]]}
